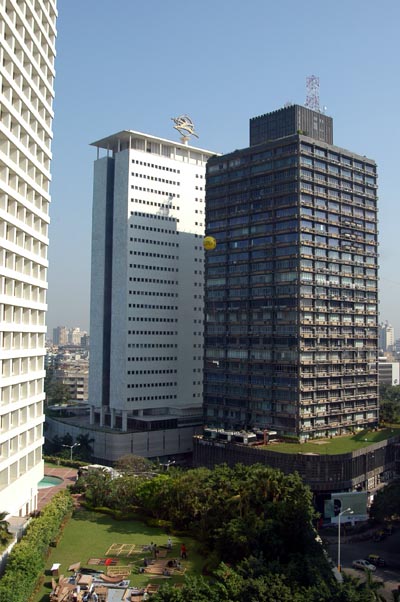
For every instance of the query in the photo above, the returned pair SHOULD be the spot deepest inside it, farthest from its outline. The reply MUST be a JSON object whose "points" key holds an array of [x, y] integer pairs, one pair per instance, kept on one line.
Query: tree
{"points": [[57, 393], [123, 493], [98, 487], [131, 465], [389, 411], [85, 449], [372, 586], [389, 403], [386, 502]]}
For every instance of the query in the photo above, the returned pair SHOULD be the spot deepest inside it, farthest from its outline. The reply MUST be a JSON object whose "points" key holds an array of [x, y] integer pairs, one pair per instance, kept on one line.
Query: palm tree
{"points": [[85, 449], [372, 586]]}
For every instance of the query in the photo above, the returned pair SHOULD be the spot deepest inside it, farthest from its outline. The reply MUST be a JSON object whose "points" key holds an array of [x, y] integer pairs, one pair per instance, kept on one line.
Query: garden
{"points": [[90, 538], [248, 530], [338, 445]]}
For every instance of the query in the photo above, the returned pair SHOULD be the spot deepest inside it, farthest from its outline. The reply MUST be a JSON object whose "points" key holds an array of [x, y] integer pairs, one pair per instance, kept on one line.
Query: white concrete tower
{"points": [[146, 327], [27, 51]]}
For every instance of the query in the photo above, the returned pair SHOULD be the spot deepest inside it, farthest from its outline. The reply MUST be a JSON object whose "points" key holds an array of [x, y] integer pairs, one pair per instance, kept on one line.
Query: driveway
{"points": [[388, 548]]}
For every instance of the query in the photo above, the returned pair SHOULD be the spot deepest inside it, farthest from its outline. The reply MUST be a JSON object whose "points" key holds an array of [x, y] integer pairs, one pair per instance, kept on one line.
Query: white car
{"points": [[364, 565]]}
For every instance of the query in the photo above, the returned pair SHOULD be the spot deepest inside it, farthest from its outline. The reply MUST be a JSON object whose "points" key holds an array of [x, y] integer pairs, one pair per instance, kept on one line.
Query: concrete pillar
{"points": [[102, 412], [124, 421]]}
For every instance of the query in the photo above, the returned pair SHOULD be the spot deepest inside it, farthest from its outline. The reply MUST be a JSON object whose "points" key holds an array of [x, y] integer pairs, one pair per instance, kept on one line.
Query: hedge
{"points": [[64, 461], [26, 561]]}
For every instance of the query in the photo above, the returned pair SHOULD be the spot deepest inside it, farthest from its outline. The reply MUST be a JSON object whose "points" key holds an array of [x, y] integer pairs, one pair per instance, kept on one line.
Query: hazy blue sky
{"points": [[133, 64]]}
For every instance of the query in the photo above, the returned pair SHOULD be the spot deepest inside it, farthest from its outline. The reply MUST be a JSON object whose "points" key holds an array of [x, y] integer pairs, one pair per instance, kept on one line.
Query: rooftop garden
{"points": [[337, 445]]}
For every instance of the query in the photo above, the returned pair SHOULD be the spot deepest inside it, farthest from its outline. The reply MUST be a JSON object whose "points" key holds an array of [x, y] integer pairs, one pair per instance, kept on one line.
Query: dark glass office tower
{"points": [[291, 288]]}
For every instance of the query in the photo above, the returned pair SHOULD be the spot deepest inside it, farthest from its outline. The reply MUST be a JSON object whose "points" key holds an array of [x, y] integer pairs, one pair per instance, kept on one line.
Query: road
{"points": [[351, 550]]}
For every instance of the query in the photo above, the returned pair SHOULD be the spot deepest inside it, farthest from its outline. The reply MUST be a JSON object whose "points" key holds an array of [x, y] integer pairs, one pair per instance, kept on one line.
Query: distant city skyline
{"points": [[220, 84]]}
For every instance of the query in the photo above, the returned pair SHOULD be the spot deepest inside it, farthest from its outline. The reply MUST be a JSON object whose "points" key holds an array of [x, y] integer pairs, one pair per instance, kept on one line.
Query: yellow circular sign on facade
{"points": [[209, 243]]}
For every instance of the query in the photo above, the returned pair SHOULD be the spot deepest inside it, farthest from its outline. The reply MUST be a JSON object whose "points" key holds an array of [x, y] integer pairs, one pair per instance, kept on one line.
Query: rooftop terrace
{"points": [[337, 445]]}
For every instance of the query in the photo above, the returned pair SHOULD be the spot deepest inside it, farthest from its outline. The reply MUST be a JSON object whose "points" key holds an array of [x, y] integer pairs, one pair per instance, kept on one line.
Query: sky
{"points": [[134, 64]]}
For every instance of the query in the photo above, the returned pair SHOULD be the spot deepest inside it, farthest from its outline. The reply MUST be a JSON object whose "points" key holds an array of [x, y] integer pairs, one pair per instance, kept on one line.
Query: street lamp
{"points": [[347, 511], [71, 447]]}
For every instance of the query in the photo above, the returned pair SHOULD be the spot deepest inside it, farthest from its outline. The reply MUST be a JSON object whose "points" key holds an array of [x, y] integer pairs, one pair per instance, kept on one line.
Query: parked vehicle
{"points": [[364, 565], [376, 560]]}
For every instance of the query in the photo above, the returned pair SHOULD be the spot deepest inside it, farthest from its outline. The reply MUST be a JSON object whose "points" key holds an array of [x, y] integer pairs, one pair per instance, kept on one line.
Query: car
{"points": [[376, 560], [364, 565]]}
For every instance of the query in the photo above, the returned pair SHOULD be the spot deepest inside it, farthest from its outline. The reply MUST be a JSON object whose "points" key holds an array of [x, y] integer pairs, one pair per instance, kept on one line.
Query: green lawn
{"points": [[337, 445], [89, 535]]}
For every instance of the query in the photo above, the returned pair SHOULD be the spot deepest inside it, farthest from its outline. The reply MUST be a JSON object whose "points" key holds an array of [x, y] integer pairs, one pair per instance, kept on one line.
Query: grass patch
{"points": [[336, 445], [89, 535]]}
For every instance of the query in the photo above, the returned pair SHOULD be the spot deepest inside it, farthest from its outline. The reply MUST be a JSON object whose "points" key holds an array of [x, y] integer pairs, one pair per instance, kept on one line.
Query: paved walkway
{"points": [[67, 474]]}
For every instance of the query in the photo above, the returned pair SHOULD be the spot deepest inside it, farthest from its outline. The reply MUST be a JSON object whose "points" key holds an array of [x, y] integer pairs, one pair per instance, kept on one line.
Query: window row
{"points": [[162, 358], [156, 242], [155, 166], [170, 371], [152, 346], [158, 255], [153, 191], [154, 281], [152, 398], [164, 205], [147, 177], [152, 306], [154, 332], [151, 385]]}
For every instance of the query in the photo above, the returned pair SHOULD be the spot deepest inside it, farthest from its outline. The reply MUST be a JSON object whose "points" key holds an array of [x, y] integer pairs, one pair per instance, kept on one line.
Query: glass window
{"points": [[262, 240], [287, 225], [288, 237]]}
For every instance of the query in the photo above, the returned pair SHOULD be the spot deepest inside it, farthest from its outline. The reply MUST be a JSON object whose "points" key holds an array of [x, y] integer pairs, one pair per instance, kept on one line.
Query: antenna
{"points": [[312, 100]]}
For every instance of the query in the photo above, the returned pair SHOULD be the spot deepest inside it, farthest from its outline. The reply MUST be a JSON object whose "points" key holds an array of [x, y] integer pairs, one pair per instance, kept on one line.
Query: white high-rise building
{"points": [[146, 361], [386, 337], [27, 51]]}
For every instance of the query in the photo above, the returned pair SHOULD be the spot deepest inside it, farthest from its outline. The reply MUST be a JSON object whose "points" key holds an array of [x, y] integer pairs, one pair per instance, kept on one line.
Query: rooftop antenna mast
{"points": [[312, 100]]}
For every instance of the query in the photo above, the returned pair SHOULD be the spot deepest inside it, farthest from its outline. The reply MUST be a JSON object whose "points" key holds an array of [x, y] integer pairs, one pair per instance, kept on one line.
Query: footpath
{"points": [[68, 475]]}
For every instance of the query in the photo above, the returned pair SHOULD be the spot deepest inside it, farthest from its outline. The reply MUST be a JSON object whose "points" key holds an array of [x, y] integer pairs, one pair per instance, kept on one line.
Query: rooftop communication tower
{"points": [[312, 100]]}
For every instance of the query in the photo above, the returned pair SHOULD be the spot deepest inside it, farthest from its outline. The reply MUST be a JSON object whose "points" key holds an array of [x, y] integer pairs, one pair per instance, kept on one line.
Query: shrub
{"points": [[159, 522], [27, 559], [64, 461]]}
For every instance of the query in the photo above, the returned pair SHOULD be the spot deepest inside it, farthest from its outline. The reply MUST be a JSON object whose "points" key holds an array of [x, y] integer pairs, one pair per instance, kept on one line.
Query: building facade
{"points": [[389, 372], [73, 371], [386, 338], [363, 469], [146, 361], [27, 49], [60, 335], [291, 287]]}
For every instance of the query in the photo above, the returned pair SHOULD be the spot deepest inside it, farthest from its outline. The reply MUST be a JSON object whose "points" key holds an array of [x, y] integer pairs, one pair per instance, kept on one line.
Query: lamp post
{"points": [[71, 447], [347, 511]]}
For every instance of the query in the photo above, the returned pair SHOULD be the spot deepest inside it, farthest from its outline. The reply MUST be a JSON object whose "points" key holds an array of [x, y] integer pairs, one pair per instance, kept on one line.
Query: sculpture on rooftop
{"points": [[184, 125]]}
